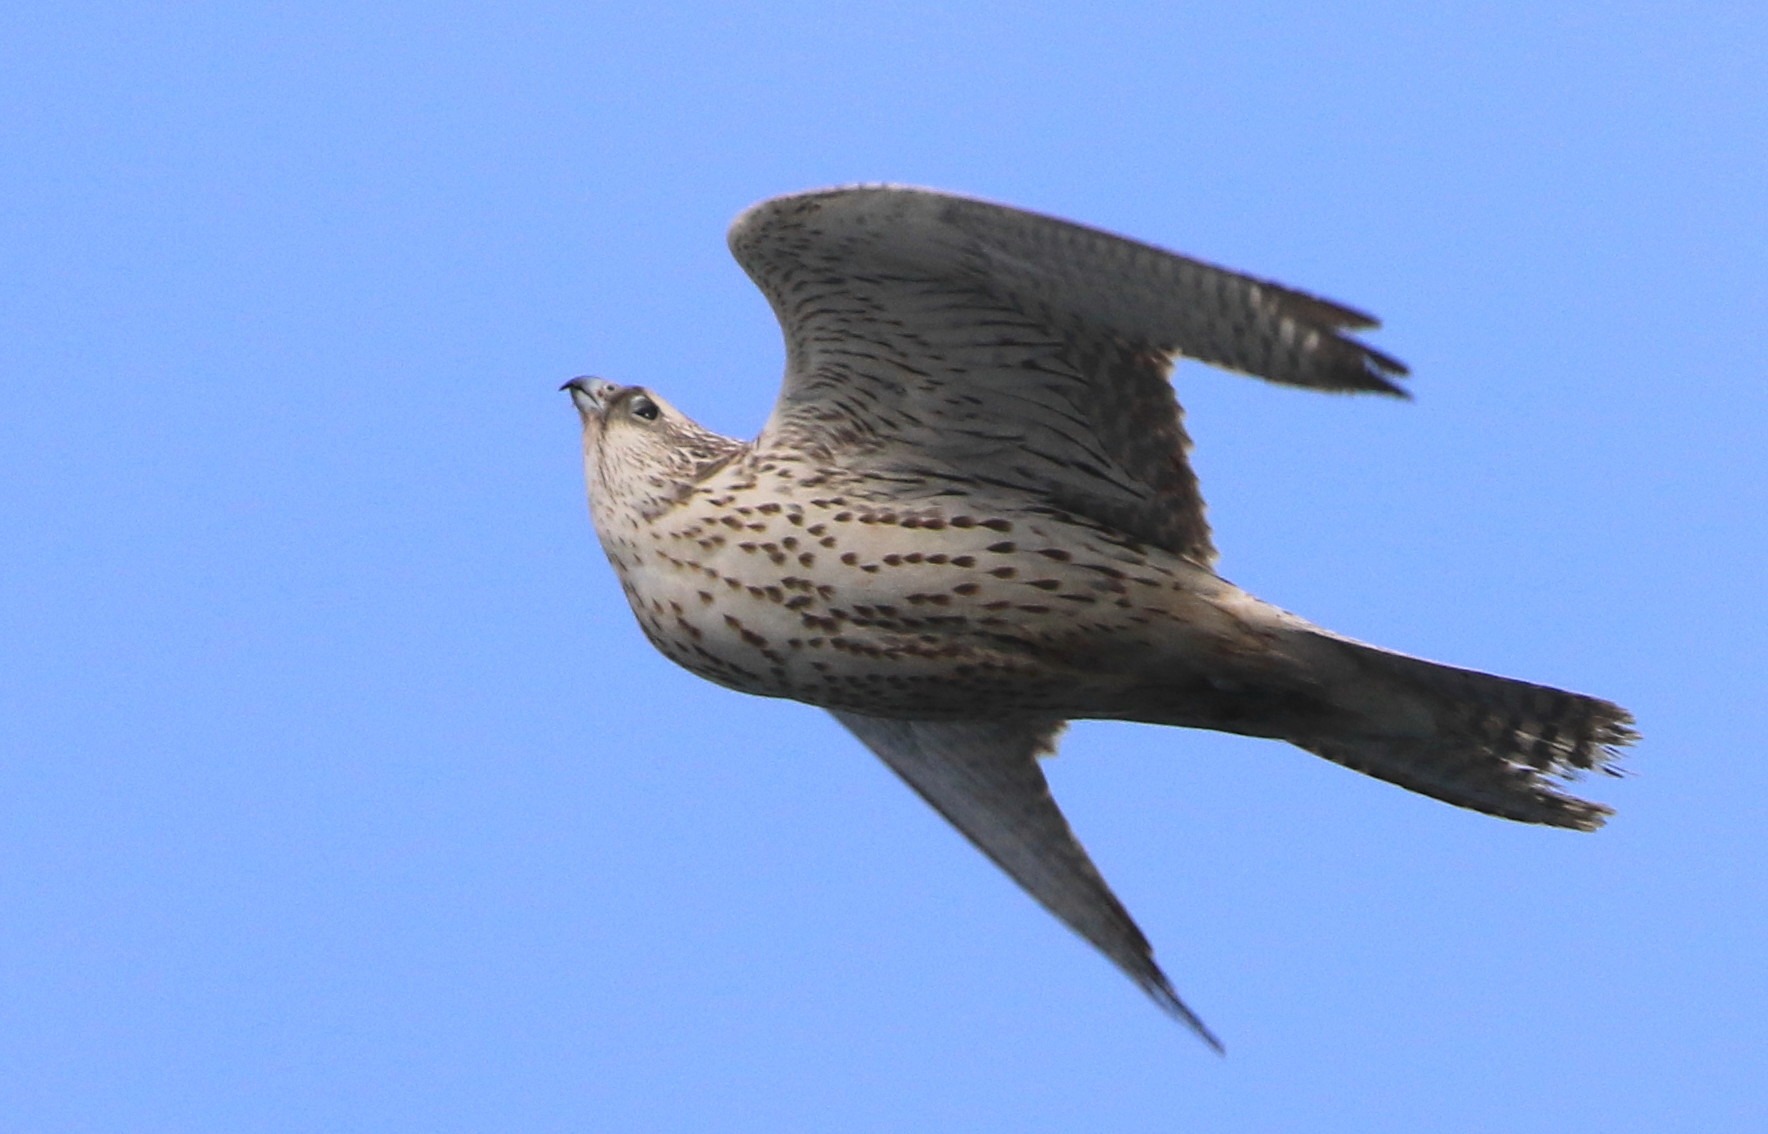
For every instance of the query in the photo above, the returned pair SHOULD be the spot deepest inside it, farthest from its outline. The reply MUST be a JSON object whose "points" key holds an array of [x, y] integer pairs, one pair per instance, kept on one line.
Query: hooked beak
{"points": [[589, 395]]}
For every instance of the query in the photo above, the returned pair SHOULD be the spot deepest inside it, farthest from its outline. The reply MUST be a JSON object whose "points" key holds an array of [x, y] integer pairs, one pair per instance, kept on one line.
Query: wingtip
{"points": [[1161, 991]]}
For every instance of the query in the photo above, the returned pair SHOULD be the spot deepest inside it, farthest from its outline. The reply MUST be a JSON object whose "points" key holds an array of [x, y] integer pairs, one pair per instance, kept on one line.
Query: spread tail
{"points": [[1493, 744]]}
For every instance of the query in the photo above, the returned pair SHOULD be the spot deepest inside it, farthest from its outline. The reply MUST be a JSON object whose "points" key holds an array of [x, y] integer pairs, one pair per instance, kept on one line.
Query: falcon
{"points": [[971, 518]]}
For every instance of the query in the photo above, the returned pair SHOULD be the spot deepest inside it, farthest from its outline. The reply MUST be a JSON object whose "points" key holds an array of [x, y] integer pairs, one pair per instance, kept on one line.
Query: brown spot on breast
{"points": [[1005, 547], [749, 636]]}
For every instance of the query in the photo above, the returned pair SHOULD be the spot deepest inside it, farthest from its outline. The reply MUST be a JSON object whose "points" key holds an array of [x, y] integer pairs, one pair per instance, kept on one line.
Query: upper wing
{"points": [[928, 334], [983, 777]]}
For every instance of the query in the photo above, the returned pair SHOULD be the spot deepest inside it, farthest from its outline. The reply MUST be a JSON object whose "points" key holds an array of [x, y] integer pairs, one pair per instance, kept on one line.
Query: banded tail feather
{"points": [[1493, 744]]}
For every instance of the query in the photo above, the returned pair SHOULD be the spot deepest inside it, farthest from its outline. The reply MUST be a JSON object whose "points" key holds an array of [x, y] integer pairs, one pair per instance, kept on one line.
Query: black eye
{"points": [[644, 408]]}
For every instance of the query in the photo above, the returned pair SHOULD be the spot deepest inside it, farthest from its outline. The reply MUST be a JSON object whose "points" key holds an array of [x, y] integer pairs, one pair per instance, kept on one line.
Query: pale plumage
{"points": [[971, 518]]}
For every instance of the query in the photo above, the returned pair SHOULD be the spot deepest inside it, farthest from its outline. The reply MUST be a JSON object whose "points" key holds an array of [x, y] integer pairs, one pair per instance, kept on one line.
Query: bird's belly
{"points": [[871, 648], [948, 623]]}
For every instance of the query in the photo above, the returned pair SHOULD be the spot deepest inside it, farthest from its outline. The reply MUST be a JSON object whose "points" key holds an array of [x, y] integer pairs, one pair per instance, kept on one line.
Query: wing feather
{"points": [[984, 778], [933, 334]]}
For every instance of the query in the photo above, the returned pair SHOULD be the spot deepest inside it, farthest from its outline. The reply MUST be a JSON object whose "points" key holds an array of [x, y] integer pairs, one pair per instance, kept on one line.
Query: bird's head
{"points": [[639, 452]]}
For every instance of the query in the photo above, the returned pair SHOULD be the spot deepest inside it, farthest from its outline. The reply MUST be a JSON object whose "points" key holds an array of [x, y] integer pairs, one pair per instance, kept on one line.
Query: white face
{"points": [[591, 396], [640, 455], [602, 404]]}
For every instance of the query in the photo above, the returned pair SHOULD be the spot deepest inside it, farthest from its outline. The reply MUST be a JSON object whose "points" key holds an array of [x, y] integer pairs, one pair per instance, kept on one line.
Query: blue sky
{"points": [[338, 790]]}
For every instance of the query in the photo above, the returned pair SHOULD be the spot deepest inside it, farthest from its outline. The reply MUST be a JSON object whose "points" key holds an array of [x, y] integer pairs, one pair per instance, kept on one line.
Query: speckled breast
{"points": [[932, 611]]}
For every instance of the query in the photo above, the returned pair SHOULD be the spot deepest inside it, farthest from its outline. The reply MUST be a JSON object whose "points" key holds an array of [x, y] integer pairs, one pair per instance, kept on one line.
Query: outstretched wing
{"points": [[933, 335], [983, 777]]}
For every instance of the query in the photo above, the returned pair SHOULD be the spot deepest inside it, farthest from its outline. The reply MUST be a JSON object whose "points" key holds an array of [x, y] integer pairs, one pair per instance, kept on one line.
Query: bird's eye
{"points": [[644, 408]]}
